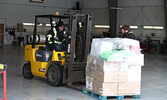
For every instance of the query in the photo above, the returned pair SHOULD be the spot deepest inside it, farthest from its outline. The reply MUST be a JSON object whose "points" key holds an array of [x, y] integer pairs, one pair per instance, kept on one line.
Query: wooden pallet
{"points": [[99, 97]]}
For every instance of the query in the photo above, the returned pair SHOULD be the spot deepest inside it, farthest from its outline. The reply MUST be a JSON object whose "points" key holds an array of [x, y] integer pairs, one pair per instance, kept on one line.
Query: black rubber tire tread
{"points": [[58, 71], [26, 71]]}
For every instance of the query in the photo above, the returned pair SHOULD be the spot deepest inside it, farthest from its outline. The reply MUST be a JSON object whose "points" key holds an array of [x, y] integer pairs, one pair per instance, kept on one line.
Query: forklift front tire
{"points": [[27, 71], [55, 75]]}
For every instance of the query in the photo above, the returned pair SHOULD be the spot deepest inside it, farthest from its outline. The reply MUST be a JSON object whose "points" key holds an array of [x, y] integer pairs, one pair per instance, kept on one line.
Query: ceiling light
{"points": [[31, 24], [39, 24], [28, 24], [153, 27], [158, 27], [102, 26], [132, 27], [48, 25]]}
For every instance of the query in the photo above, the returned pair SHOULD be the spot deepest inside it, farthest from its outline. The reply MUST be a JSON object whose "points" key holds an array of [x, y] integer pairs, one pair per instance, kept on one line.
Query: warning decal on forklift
{"points": [[42, 70], [38, 55]]}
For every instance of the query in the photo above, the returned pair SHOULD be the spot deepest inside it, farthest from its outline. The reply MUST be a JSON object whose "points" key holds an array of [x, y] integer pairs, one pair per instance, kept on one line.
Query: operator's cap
{"points": [[60, 23]]}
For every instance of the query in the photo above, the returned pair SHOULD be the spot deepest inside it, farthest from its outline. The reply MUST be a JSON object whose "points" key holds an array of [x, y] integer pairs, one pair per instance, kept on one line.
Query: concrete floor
{"points": [[154, 82]]}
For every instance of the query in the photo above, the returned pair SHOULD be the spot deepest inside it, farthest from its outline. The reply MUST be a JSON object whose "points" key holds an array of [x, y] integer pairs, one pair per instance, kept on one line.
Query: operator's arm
{"points": [[49, 38], [62, 35]]}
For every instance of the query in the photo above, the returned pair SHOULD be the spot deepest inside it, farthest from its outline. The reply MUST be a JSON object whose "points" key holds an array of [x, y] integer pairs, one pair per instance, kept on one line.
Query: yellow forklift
{"points": [[58, 67]]}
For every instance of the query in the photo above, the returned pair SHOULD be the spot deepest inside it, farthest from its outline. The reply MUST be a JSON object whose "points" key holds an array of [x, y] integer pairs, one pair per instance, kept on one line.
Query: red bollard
{"points": [[4, 85]]}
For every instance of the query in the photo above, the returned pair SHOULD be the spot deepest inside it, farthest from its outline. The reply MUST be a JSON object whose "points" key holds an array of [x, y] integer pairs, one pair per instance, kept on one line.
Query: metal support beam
{"points": [[113, 17], [165, 5]]}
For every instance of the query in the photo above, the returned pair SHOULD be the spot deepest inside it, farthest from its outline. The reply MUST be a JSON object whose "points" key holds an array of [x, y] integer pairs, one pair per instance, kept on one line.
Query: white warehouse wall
{"points": [[23, 11], [132, 12], [18, 11]]}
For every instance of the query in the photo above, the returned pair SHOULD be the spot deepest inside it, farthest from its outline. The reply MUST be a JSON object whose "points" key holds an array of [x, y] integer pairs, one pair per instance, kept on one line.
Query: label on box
{"points": [[89, 82], [94, 61]]}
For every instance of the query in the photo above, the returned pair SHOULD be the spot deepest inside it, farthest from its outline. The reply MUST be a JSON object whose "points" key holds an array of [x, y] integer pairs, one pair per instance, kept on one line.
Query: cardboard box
{"points": [[89, 63], [114, 76], [105, 89], [102, 65], [89, 72], [129, 88], [135, 60], [102, 88], [113, 88], [132, 87], [134, 74], [123, 77], [119, 74], [113, 79], [107, 76]]}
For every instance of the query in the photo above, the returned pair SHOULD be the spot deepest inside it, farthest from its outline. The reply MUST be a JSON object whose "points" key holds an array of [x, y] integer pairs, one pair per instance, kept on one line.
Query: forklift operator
{"points": [[56, 40], [127, 33]]}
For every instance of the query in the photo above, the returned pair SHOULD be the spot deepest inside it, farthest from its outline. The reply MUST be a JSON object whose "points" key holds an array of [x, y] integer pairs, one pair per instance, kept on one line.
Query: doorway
{"points": [[1, 34]]}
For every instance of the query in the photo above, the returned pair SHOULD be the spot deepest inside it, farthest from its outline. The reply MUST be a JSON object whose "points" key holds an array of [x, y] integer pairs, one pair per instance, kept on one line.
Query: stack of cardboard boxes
{"points": [[110, 78]]}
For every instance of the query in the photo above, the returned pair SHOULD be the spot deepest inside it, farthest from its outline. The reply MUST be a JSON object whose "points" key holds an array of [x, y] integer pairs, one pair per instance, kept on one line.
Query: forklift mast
{"points": [[79, 48]]}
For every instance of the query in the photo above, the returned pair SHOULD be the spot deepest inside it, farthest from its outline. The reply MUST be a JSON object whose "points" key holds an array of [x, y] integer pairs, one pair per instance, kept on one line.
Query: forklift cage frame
{"points": [[70, 63]]}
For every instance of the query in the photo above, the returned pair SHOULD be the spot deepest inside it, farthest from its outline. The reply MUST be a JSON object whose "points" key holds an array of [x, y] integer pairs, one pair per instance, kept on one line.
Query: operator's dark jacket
{"points": [[56, 42], [129, 35]]}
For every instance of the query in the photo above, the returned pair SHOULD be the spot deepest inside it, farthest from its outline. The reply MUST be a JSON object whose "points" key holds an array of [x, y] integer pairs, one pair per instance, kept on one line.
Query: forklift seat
{"points": [[44, 48]]}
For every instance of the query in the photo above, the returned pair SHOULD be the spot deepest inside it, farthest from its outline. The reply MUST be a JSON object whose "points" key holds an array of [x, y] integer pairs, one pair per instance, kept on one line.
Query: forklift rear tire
{"points": [[55, 75], [27, 71]]}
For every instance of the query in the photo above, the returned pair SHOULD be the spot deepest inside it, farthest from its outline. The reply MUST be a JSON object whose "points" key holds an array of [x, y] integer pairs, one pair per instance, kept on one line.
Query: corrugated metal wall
{"points": [[132, 12], [142, 12], [98, 9]]}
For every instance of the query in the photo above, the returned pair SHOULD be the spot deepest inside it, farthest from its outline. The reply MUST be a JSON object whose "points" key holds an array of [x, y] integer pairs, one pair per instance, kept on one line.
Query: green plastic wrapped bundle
{"points": [[115, 55]]}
